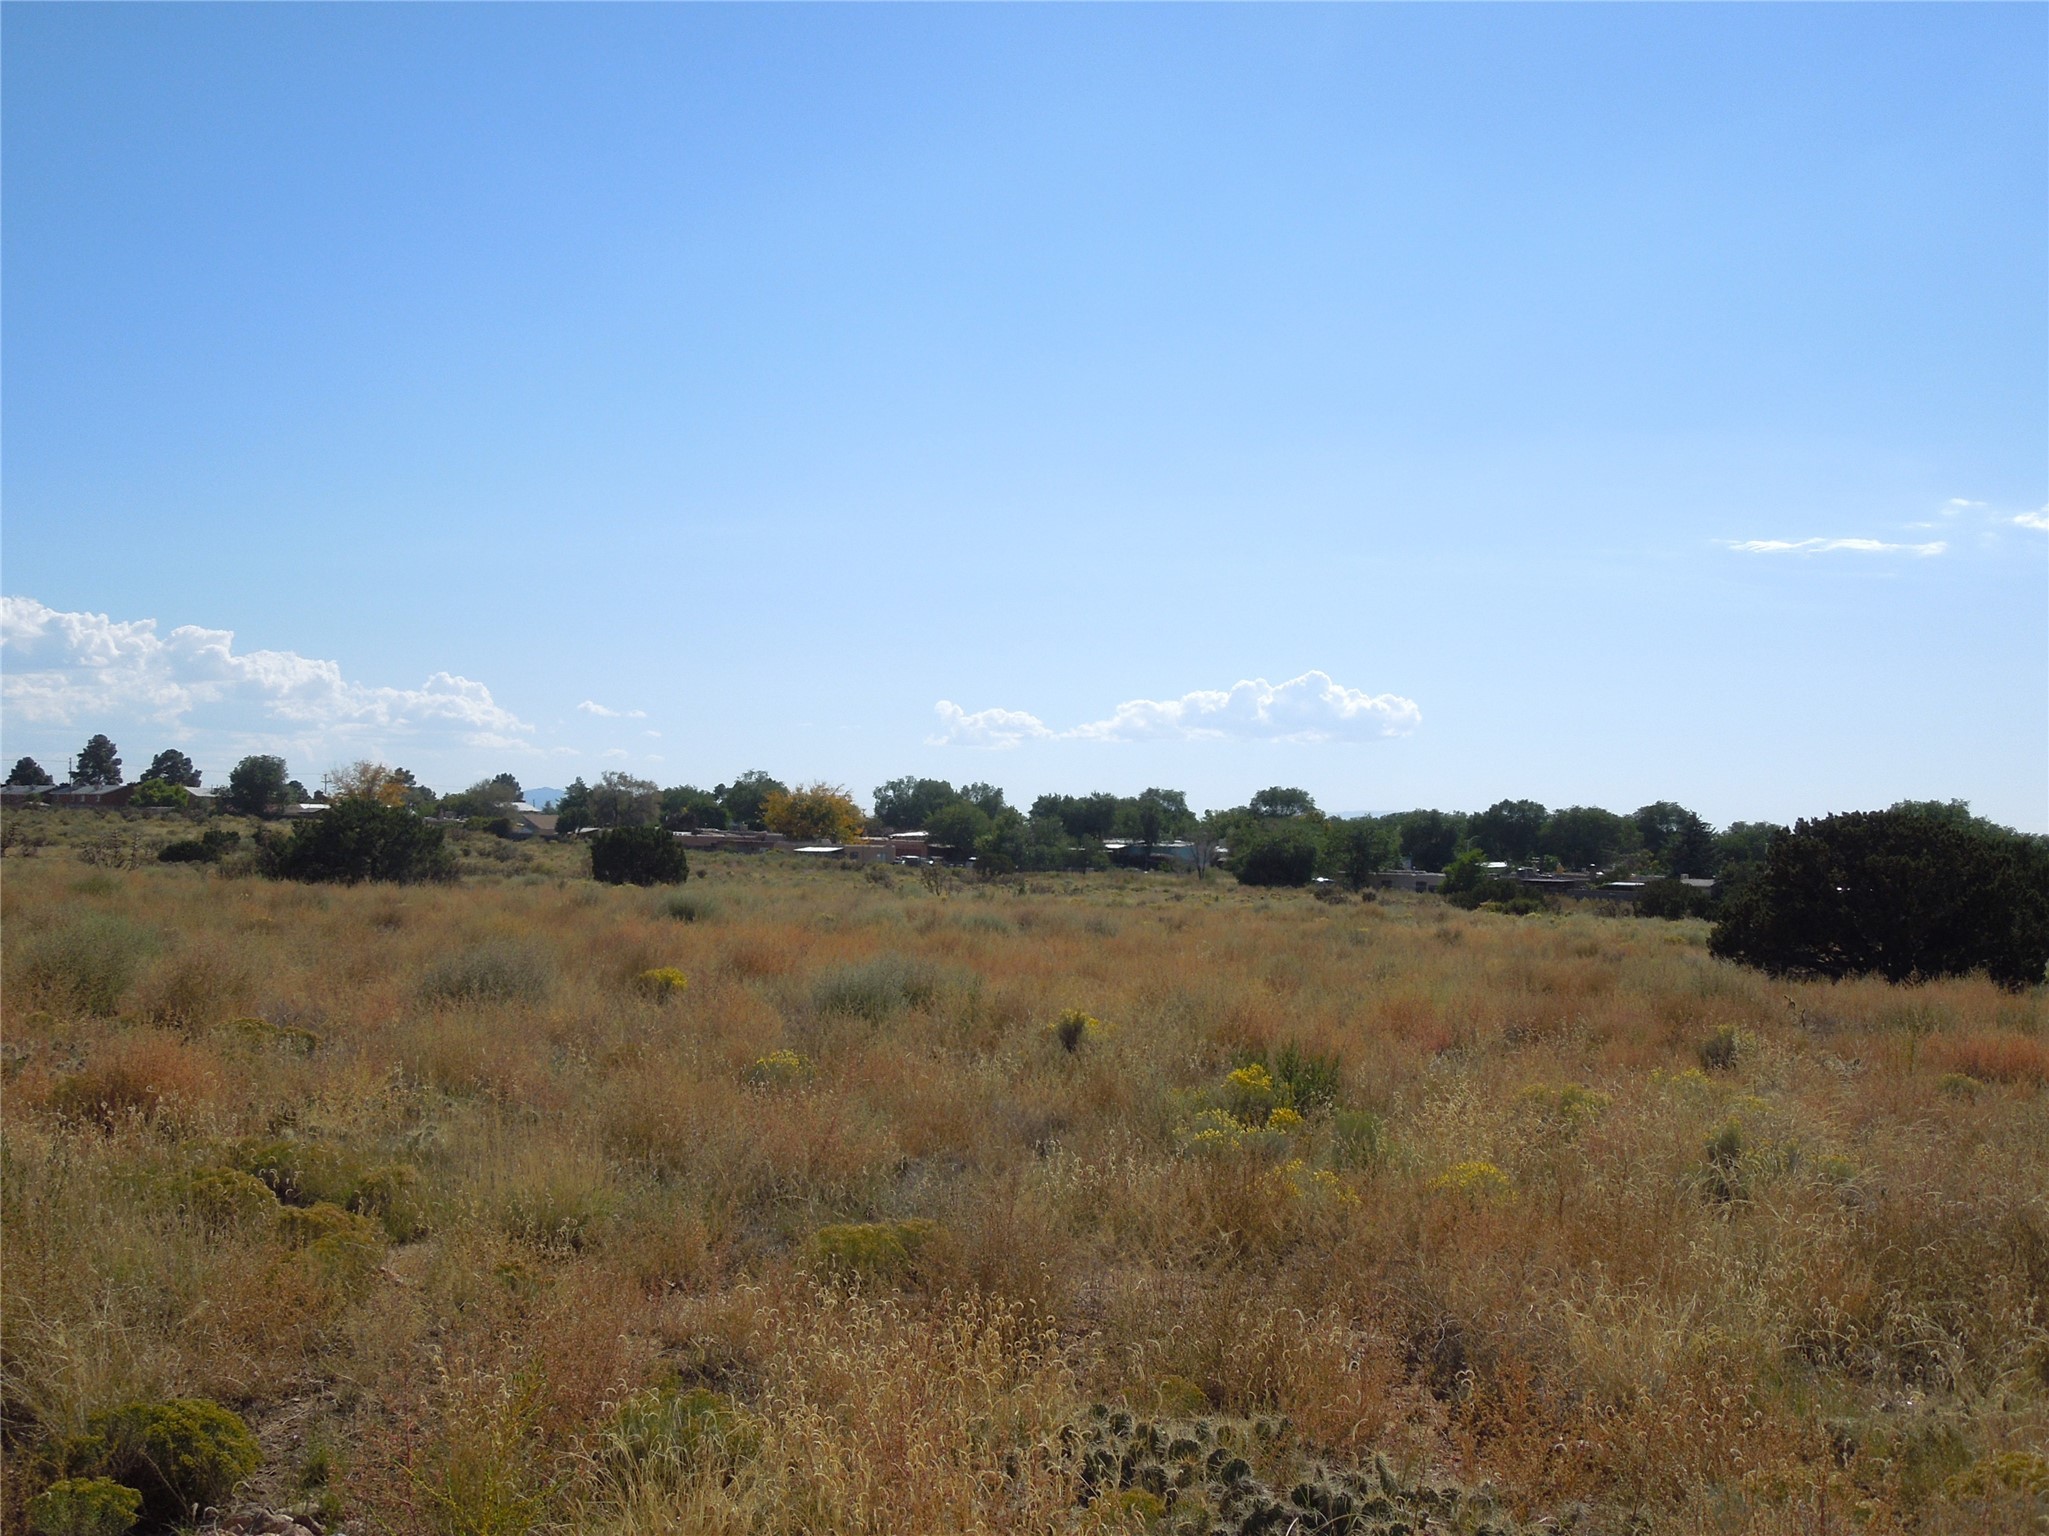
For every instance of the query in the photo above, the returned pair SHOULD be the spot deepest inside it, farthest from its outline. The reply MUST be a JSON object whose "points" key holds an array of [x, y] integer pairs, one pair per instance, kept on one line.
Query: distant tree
{"points": [[686, 808], [1278, 853], [1672, 899], [1586, 837], [640, 855], [1678, 841], [173, 767], [1047, 843], [745, 796], [97, 763], [151, 794], [1905, 894], [357, 840], [906, 804], [1509, 830], [1082, 815], [957, 828], [1467, 884], [986, 798], [821, 812], [1744, 843], [28, 771], [1358, 848], [1428, 839], [1005, 847], [365, 780], [620, 800], [573, 806], [257, 786], [486, 798], [296, 793], [1280, 802]]}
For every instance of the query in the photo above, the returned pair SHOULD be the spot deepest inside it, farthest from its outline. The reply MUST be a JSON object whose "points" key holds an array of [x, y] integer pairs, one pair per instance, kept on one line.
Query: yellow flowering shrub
{"points": [[1476, 1178], [661, 983], [1074, 1028], [1249, 1093], [1285, 1120], [780, 1069]]}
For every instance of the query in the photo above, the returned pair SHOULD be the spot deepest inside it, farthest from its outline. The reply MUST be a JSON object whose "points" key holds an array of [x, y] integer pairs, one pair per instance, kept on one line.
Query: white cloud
{"points": [[2038, 520], [1957, 505], [64, 668], [1309, 708], [1832, 546], [591, 707]]}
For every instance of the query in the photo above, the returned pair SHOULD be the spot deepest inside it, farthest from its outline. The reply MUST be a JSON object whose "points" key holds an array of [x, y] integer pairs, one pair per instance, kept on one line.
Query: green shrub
{"points": [[151, 793], [357, 840], [686, 908], [392, 1194], [349, 1244], [1359, 1137], [496, 972], [225, 1197], [1306, 1079], [84, 1506], [667, 1432], [88, 964], [1721, 1050], [876, 988], [637, 856], [872, 1250], [780, 1069], [207, 848], [181, 1456]]}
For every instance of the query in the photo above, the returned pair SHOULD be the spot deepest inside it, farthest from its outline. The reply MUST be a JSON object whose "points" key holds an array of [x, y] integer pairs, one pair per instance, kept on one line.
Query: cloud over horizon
{"points": [[592, 707], [64, 669], [1309, 708], [1833, 546]]}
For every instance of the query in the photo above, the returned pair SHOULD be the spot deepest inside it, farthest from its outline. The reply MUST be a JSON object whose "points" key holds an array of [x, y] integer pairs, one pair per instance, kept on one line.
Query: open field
{"points": [[1557, 1203]]}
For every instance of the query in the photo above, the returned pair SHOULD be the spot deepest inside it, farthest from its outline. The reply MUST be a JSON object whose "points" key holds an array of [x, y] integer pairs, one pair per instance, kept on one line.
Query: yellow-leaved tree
{"points": [[365, 780], [814, 813]]}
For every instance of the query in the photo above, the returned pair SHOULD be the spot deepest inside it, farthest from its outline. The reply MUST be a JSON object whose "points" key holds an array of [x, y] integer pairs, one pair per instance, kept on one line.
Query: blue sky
{"points": [[1611, 404]]}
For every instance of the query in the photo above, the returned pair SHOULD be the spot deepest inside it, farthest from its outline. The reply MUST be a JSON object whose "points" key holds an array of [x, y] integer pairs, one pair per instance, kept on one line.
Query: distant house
{"points": [[727, 842], [104, 797], [532, 823], [1407, 880]]}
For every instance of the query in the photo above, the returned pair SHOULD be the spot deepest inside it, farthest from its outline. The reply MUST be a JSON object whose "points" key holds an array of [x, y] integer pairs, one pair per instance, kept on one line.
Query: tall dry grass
{"points": [[1622, 1228]]}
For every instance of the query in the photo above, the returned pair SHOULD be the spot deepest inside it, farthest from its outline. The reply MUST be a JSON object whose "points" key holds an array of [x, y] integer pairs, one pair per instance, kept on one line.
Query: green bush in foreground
{"points": [[181, 1456], [638, 856], [84, 1506], [1908, 894]]}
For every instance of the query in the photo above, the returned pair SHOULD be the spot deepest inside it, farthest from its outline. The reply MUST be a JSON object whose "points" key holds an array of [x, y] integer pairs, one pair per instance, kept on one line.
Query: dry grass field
{"points": [[485, 1229]]}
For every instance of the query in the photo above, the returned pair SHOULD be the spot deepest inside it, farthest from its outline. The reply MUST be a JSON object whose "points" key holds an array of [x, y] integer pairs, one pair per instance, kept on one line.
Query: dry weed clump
{"points": [[480, 1229]]}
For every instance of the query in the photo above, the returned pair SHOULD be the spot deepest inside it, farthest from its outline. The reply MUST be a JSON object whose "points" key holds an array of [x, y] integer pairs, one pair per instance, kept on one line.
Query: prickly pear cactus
{"points": [[1195, 1477]]}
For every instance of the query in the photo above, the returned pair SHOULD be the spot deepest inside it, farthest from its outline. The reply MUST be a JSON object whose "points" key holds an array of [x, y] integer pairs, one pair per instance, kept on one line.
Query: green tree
{"points": [[173, 767], [908, 803], [573, 808], [1905, 894], [1005, 847], [27, 771], [746, 795], [1279, 802], [486, 798], [686, 808], [97, 763], [1679, 842], [1586, 837], [1509, 830], [640, 855], [358, 839], [1082, 815], [1278, 853], [1428, 839], [620, 800], [257, 786], [957, 828], [1357, 848], [986, 798], [152, 793]]}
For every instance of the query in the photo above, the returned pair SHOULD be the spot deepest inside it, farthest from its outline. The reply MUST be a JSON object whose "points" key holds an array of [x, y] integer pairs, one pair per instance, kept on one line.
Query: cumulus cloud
{"points": [[2038, 520], [1309, 708], [1833, 546], [592, 707], [61, 669]]}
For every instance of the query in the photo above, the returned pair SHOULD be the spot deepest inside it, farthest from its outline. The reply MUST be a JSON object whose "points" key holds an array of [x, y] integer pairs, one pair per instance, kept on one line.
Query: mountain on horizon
{"points": [[543, 799]]}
